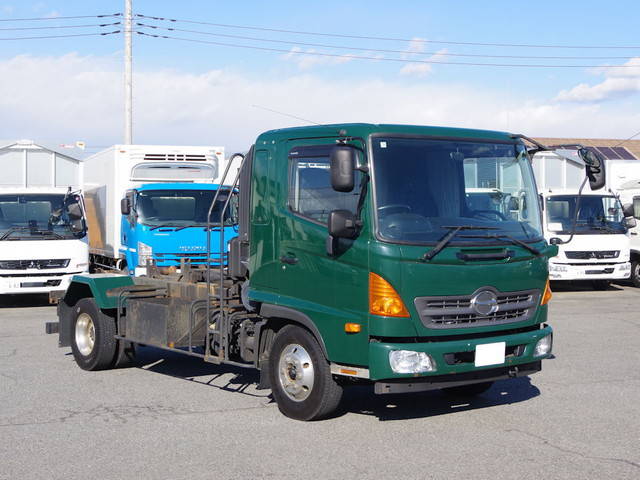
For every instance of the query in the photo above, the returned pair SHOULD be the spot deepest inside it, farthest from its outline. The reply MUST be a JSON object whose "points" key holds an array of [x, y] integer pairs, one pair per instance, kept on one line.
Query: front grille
{"points": [[590, 254], [173, 259], [458, 311], [33, 264]]}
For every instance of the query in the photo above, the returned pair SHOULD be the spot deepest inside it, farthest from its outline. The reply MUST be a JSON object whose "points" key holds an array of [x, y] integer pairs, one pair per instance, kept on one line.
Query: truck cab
{"points": [[166, 224], [43, 240], [599, 249]]}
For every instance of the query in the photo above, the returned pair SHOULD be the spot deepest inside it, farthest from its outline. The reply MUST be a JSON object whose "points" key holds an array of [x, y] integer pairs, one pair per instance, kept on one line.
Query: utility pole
{"points": [[128, 70]]}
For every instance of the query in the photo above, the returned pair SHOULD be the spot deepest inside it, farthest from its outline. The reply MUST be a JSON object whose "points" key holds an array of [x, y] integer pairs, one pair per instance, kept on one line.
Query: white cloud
{"points": [[6, 9], [307, 59], [415, 51], [618, 82], [69, 98]]}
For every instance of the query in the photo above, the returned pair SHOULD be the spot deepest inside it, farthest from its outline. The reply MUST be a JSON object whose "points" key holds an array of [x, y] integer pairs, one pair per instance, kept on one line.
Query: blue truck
{"points": [[165, 224]]}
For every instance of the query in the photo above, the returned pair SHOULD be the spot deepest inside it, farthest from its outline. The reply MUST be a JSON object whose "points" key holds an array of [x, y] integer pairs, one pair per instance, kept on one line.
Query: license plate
{"points": [[490, 354]]}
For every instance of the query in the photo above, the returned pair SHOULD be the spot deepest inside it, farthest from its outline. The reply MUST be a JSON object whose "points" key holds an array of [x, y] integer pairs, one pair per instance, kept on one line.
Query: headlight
{"points": [[145, 253], [407, 361], [543, 347]]}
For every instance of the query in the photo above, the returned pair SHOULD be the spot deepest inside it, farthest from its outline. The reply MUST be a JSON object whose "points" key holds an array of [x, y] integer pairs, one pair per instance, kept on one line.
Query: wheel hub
{"points": [[85, 334], [295, 372]]}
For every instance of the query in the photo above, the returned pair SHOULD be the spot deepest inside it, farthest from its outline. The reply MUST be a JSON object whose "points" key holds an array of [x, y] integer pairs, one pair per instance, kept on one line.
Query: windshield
{"points": [[181, 207], [596, 214], [425, 187], [35, 217]]}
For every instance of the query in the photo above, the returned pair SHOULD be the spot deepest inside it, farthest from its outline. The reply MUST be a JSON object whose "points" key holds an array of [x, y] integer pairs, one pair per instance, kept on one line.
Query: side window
{"points": [[310, 191], [636, 207]]}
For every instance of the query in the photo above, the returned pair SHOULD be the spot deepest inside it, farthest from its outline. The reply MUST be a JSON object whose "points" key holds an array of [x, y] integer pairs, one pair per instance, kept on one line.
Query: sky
{"points": [[199, 92]]}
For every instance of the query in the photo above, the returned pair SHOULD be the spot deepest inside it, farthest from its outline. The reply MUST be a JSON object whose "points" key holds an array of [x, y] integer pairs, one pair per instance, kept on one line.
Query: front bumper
{"points": [[589, 271], [35, 283], [455, 358]]}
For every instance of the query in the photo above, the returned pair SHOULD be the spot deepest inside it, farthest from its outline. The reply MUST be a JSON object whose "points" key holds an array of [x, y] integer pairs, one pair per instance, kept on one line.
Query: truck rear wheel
{"points": [[93, 340], [635, 273], [301, 379]]}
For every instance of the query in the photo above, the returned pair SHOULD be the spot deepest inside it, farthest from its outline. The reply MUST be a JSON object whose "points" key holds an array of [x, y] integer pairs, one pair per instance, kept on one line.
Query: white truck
{"points": [[111, 173], [623, 178], [43, 234], [593, 241]]}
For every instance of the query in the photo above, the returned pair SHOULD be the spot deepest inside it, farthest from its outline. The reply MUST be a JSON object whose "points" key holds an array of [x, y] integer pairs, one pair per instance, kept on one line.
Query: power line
{"points": [[58, 18], [388, 39], [379, 59], [61, 26], [379, 50], [63, 36], [627, 139]]}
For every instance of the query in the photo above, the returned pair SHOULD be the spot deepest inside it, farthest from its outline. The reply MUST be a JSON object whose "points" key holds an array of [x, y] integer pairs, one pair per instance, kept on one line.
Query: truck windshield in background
{"points": [[597, 214], [39, 217], [424, 187], [181, 208]]}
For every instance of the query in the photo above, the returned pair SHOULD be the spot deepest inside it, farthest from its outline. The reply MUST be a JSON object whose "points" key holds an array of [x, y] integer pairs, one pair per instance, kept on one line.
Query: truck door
{"points": [[330, 290]]}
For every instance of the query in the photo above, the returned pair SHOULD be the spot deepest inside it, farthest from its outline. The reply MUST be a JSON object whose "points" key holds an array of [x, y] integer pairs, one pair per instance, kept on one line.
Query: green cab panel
{"points": [[102, 286]]}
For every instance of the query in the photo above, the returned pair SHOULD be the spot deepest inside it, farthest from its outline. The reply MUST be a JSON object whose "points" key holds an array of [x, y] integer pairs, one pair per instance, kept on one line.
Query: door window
{"points": [[310, 191]]}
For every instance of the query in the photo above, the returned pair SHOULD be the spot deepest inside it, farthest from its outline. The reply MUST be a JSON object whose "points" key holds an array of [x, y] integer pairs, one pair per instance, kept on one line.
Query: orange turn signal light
{"points": [[383, 299], [546, 296], [352, 327]]}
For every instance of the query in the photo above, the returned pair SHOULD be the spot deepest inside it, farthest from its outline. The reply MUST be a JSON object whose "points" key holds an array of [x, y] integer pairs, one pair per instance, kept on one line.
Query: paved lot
{"points": [[175, 417]]}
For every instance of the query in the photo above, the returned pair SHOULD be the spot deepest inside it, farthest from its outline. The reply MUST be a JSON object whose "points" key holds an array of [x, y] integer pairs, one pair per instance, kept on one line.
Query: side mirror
{"points": [[627, 210], [594, 168], [343, 164], [125, 206], [343, 224], [629, 222]]}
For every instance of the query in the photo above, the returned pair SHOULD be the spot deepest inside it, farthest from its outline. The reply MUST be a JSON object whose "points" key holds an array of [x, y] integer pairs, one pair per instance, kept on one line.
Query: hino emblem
{"points": [[485, 303]]}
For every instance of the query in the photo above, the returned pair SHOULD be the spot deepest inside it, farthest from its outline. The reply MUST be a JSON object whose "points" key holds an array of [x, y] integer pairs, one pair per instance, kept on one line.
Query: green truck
{"points": [[359, 258]]}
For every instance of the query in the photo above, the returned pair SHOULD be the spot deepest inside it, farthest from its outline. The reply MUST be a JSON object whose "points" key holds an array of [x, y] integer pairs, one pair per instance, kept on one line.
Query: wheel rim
{"points": [[295, 372], [636, 272], [85, 334]]}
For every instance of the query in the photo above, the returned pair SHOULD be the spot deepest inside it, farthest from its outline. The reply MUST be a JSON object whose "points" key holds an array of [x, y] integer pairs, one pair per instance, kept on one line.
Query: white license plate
{"points": [[490, 354]]}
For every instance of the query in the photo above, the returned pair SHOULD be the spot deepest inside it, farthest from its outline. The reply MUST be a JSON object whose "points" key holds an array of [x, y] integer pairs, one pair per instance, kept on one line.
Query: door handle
{"points": [[290, 259]]}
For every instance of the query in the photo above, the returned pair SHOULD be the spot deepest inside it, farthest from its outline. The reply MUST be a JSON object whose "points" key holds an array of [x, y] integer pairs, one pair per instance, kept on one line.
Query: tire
{"points": [[93, 340], [468, 390], [600, 284], [310, 395], [635, 273]]}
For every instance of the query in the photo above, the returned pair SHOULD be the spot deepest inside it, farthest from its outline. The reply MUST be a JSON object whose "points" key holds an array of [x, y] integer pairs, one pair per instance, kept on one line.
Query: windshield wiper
{"points": [[498, 236], [454, 229], [11, 230], [167, 225], [32, 231]]}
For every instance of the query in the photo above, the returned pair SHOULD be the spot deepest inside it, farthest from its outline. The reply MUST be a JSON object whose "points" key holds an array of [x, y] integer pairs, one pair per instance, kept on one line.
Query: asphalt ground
{"points": [[175, 417]]}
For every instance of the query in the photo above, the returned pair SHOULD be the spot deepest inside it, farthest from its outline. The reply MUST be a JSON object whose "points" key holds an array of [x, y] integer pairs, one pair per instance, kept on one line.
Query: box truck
{"points": [[624, 180], [591, 231], [148, 203], [43, 234]]}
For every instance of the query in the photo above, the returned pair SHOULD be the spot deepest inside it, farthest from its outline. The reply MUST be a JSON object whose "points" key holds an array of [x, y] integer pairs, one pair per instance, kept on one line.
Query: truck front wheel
{"points": [[93, 340], [635, 273], [301, 380]]}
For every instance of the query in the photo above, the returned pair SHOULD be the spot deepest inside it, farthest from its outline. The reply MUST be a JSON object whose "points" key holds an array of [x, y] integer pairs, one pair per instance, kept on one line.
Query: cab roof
{"points": [[366, 129], [178, 186]]}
